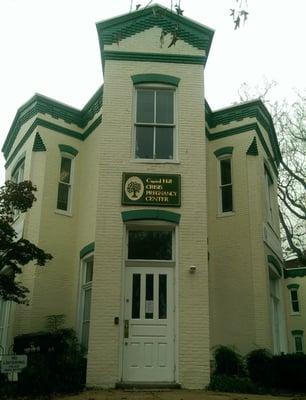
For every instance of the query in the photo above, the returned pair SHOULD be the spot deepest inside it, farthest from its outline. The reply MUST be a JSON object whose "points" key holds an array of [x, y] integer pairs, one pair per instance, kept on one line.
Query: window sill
{"points": [[295, 314], [151, 161], [227, 214], [62, 212]]}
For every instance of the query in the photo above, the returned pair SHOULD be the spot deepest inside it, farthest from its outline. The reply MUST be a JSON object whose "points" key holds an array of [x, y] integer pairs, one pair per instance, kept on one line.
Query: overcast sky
{"points": [[51, 47]]}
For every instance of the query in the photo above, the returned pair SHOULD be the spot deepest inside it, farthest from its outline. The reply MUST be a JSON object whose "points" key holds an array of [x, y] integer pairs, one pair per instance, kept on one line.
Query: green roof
{"points": [[115, 29]]}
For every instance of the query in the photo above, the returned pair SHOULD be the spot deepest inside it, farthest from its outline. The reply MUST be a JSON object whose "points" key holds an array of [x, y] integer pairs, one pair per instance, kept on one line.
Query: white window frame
{"points": [[18, 176], [70, 184], [298, 336], [296, 301], [155, 87], [220, 186], [83, 287], [148, 225]]}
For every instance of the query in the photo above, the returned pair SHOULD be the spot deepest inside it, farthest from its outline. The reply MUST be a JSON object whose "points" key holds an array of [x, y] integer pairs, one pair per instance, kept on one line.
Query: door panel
{"points": [[148, 350]]}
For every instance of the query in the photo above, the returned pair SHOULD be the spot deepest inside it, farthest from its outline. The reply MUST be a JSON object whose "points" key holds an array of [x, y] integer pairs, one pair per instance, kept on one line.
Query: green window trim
{"points": [[224, 151], [155, 78], [89, 248], [268, 170], [17, 165], [160, 215], [65, 148], [293, 286], [272, 260], [297, 332]]}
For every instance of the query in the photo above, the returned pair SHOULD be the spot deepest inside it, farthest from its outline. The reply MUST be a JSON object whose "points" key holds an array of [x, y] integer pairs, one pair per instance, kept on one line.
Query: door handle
{"points": [[126, 328]]}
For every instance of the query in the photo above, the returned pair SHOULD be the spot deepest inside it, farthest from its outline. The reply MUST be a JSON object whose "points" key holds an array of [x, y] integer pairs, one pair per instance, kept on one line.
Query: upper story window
{"points": [[269, 187], [64, 192], [294, 299], [155, 124], [225, 181], [18, 172]]}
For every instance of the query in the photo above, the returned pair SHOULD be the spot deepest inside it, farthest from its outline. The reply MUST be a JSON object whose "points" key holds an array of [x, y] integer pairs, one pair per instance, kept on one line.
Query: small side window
{"points": [[87, 267], [18, 172], [65, 183], [225, 185], [298, 343]]}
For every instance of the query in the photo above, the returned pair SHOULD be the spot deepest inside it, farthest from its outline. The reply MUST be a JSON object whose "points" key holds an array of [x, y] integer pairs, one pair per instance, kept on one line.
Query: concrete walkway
{"points": [[168, 395]]}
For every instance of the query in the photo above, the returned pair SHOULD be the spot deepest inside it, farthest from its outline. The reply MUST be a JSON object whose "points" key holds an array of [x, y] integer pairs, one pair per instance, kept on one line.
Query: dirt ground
{"points": [[168, 395]]}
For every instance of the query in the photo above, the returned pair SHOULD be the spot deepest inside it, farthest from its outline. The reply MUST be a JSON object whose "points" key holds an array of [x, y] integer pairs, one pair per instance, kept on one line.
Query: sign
{"points": [[151, 189], [13, 363]]}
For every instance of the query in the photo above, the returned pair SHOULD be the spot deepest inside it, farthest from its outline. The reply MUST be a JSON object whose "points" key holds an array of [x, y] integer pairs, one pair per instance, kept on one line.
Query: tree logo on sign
{"points": [[134, 188]]}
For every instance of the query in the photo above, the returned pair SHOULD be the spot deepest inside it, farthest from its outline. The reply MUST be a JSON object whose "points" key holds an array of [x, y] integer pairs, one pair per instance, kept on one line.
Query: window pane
{"points": [[62, 196], [162, 297], [164, 107], [144, 142], [145, 106], [298, 344], [227, 198], [149, 296], [164, 143], [65, 170], [136, 296], [225, 166], [150, 245], [87, 301], [85, 335], [295, 306], [294, 295], [89, 271]]}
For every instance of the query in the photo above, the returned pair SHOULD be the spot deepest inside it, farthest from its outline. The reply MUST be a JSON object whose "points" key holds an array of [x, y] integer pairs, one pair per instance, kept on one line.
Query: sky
{"points": [[51, 47]]}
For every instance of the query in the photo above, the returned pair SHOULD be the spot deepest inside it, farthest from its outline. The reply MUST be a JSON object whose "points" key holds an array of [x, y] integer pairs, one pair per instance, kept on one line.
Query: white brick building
{"points": [[161, 214]]}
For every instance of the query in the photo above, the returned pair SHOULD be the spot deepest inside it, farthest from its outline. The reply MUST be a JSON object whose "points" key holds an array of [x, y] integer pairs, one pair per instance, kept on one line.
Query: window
{"points": [[225, 184], [294, 301], [65, 182], [18, 172], [269, 195], [150, 245], [298, 341], [4, 322], [154, 124], [85, 304]]}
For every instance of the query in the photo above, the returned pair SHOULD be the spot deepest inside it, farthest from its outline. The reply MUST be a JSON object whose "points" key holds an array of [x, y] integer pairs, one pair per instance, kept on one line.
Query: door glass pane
{"points": [[145, 106], [144, 142], [162, 297], [65, 170], [225, 166], [149, 306], [136, 296], [62, 196], [164, 107], [87, 302], [150, 245], [164, 143]]}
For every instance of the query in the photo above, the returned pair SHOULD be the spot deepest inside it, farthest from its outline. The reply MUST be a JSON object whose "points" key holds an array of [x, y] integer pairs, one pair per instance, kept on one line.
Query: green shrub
{"points": [[233, 384], [228, 362], [259, 367], [290, 372]]}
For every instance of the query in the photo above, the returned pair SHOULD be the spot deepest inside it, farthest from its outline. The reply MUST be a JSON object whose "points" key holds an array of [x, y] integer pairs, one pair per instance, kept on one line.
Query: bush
{"points": [[55, 363], [290, 372], [259, 366], [228, 362], [233, 384]]}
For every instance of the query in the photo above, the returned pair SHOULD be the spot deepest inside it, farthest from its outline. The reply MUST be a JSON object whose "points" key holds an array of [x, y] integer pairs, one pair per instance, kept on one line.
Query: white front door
{"points": [[148, 344]]}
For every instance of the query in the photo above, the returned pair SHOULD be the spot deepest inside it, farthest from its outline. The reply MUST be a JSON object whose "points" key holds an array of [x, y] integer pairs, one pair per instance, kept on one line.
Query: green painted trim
{"points": [[293, 286], [155, 78], [297, 332], [65, 148], [295, 273], [252, 109], [243, 129], [115, 29], [19, 162], [272, 260], [267, 168], [38, 144], [89, 248], [161, 215], [153, 57], [253, 149], [56, 129], [223, 151], [44, 105]]}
